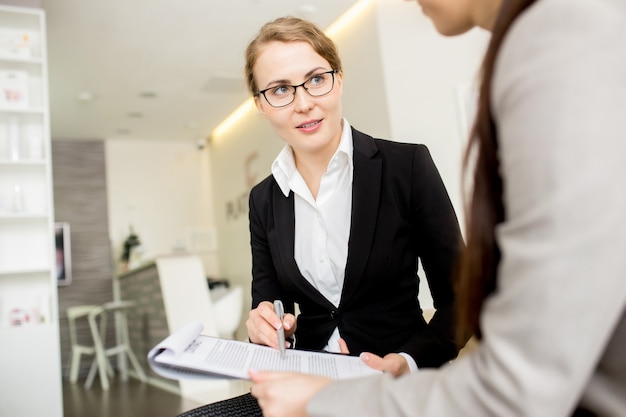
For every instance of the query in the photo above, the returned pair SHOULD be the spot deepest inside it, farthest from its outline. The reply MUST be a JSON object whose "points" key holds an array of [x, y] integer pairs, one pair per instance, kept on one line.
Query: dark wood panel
{"points": [[80, 198]]}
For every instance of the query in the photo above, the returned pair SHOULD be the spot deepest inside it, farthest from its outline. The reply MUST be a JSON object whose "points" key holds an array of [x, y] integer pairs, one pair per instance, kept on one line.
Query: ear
{"points": [[259, 106], [339, 81]]}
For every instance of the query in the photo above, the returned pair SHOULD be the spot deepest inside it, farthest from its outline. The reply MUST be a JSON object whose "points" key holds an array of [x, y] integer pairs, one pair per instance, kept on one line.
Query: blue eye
{"points": [[281, 90], [318, 79]]}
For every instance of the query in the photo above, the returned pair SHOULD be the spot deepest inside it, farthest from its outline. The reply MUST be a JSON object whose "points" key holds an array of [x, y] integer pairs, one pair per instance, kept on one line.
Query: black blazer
{"points": [[400, 212]]}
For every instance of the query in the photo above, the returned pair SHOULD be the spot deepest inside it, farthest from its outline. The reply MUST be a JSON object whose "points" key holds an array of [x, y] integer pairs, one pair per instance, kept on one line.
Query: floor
{"points": [[124, 399]]}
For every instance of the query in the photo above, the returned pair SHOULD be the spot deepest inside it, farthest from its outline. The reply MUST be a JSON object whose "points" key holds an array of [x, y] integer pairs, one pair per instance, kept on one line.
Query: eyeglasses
{"points": [[316, 86]]}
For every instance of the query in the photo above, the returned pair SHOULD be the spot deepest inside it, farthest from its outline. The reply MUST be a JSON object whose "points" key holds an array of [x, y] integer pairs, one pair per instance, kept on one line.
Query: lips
{"points": [[309, 124]]}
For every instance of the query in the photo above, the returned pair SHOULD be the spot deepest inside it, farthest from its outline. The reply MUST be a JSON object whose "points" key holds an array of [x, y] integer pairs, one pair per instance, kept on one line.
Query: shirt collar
{"points": [[284, 166]]}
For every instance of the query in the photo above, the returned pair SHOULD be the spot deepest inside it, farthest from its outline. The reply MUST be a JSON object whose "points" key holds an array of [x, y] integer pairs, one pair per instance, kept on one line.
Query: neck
{"points": [[313, 165], [487, 13]]}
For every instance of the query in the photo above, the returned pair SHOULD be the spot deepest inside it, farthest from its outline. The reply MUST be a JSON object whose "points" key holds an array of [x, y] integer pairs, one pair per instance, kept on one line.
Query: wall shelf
{"points": [[17, 60], [29, 328]]}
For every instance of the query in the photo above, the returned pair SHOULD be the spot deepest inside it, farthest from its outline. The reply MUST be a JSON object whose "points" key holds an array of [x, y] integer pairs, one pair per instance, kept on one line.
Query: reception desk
{"points": [[170, 292]]}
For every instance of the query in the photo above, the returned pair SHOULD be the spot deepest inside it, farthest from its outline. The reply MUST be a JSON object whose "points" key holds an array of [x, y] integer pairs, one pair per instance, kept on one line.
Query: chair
{"points": [[241, 406], [97, 318], [187, 297], [227, 309]]}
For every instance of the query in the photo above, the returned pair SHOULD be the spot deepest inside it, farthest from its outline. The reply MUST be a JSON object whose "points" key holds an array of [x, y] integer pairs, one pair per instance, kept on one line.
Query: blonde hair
{"points": [[289, 29]]}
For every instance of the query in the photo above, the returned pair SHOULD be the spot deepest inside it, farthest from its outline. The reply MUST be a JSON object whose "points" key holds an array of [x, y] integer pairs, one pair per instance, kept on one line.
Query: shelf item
{"points": [[15, 44], [13, 89], [24, 309], [22, 134]]}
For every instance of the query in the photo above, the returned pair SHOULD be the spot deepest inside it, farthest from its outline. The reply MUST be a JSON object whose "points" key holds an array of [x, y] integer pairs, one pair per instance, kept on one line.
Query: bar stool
{"points": [[77, 349], [97, 319]]}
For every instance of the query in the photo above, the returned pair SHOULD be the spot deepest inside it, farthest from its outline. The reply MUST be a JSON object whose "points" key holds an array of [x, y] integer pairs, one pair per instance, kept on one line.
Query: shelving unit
{"points": [[30, 380]]}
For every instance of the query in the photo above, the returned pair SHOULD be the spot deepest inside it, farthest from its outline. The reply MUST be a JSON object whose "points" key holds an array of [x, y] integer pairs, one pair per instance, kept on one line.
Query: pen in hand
{"points": [[280, 312]]}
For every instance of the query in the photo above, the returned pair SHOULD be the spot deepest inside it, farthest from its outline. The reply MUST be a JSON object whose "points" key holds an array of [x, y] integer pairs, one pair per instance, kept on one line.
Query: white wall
{"points": [[364, 97], [423, 73], [164, 190], [240, 160]]}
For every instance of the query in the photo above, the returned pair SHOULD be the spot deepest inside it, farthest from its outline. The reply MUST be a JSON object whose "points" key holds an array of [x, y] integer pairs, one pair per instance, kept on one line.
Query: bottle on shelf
{"points": [[18, 199], [14, 137], [36, 148]]}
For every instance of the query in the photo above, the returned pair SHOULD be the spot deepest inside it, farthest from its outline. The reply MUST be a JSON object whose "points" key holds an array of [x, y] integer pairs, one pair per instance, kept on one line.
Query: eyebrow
{"points": [[306, 77]]}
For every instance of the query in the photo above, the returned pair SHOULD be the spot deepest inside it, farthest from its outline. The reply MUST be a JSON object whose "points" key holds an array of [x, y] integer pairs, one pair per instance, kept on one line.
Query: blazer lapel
{"points": [[365, 201], [284, 222]]}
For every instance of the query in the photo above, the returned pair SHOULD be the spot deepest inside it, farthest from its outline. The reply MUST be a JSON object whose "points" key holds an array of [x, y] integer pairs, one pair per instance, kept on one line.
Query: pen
{"points": [[280, 312]]}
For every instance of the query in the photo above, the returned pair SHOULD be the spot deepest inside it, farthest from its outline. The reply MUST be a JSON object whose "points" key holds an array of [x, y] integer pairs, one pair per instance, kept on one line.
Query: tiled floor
{"points": [[124, 399]]}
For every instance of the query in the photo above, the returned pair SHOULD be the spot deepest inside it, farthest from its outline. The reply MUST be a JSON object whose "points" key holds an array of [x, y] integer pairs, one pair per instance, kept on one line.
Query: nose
{"points": [[302, 100]]}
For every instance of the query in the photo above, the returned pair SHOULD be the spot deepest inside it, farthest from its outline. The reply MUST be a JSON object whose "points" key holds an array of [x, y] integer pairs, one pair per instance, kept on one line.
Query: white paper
{"points": [[188, 354]]}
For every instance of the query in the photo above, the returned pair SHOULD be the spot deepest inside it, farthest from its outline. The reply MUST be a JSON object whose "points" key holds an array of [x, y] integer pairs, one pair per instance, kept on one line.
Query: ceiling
{"points": [[155, 69]]}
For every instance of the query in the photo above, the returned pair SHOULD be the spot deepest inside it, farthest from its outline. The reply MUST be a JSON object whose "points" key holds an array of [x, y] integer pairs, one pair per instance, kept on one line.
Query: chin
{"points": [[451, 30]]}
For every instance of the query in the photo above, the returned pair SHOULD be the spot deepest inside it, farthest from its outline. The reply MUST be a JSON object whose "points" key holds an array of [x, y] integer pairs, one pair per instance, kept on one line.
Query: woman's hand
{"points": [[285, 394], [392, 363], [262, 324]]}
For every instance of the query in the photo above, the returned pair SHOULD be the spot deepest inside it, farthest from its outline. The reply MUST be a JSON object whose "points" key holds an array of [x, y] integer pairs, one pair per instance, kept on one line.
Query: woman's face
{"points": [[453, 17], [309, 124]]}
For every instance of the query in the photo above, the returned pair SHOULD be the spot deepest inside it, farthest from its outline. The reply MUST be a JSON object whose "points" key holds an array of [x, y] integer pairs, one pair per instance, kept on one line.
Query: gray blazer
{"points": [[555, 332]]}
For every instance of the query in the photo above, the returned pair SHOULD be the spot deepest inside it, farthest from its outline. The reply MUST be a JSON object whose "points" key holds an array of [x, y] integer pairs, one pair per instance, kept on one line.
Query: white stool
{"points": [[73, 314], [97, 319]]}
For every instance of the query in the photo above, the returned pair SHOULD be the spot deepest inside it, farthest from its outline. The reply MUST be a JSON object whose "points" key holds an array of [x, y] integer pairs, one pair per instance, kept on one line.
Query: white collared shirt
{"points": [[322, 225]]}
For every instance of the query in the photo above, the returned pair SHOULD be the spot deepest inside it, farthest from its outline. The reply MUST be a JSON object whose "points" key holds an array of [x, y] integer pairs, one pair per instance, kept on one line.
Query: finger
{"points": [[373, 361], [254, 325], [266, 310], [290, 322], [260, 330], [343, 346], [265, 376], [392, 363], [255, 376]]}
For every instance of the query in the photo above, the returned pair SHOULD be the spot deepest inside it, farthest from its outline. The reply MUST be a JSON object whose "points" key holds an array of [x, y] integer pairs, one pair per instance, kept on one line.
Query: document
{"points": [[187, 354]]}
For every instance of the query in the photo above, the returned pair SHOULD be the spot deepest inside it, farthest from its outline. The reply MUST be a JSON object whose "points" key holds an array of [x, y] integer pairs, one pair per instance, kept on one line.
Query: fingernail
{"points": [[364, 357], [286, 326]]}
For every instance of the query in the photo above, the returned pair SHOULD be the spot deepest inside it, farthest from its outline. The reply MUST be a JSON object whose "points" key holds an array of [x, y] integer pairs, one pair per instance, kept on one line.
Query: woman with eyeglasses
{"points": [[543, 276], [340, 224]]}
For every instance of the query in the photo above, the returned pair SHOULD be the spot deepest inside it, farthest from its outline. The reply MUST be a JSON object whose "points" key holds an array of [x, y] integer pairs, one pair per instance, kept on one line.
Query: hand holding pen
{"points": [[263, 324]]}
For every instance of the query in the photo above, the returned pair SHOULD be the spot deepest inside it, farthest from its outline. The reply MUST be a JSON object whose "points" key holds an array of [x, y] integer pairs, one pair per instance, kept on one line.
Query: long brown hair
{"points": [[480, 259]]}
